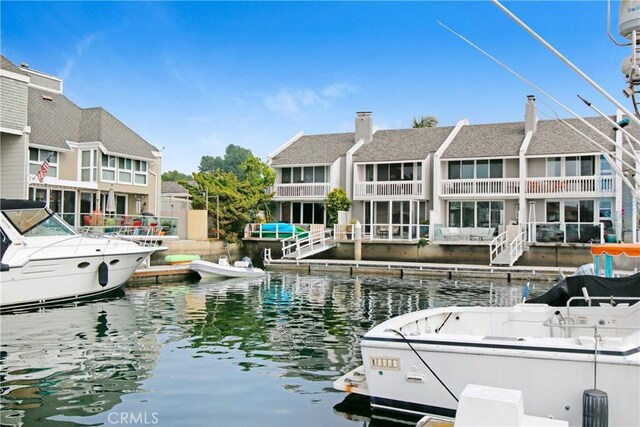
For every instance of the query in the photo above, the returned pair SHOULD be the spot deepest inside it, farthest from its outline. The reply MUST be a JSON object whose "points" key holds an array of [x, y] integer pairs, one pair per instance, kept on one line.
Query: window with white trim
{"points": [[140, 172], [38, 156], [108, 170], [88, 165], [125, 171], [306, 174], [385, 172], [470, 169]]}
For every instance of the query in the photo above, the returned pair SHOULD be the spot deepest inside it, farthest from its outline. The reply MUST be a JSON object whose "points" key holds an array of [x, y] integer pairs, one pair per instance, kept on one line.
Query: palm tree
{"points": [[425, 122]]}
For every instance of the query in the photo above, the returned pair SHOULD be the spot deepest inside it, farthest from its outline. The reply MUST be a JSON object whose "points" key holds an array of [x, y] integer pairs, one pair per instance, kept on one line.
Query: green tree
{"points": [[424, 122], [174, 175], [337, 200], [240, 198], [234, 156]]}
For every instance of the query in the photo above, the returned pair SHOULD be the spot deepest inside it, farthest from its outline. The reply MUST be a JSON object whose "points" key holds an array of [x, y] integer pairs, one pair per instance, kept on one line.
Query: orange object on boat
{"points": [[616, 249]]}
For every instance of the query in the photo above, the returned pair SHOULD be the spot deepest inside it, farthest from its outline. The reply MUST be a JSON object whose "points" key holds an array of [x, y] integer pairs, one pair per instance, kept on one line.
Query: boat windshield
{"points": [[38, 222]]}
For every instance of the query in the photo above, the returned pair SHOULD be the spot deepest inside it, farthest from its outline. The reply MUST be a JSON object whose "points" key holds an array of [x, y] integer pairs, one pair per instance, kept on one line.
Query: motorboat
{"points": [[583, 334], [45, 261], [222, 269]]}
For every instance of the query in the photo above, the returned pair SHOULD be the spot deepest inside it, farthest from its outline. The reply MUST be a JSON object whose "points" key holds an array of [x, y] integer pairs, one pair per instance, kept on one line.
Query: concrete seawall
{"points": [[539, 255]]}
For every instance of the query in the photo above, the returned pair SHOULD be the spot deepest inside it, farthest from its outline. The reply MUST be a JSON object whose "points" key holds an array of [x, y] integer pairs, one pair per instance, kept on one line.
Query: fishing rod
{"points": [[600, 147], [616, 125], [604, 93]]}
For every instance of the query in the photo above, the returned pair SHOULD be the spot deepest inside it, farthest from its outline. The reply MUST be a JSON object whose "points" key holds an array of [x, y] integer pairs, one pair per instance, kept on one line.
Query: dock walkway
{"points": [[419, 269]]}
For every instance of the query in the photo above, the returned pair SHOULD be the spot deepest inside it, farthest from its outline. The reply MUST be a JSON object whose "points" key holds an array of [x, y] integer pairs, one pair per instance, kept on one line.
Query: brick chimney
{"points": [[364, 129], [530, 118]]}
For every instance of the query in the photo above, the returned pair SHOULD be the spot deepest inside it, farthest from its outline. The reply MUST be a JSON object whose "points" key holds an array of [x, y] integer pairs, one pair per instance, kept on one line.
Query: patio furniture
{"points": [[450, 233]]}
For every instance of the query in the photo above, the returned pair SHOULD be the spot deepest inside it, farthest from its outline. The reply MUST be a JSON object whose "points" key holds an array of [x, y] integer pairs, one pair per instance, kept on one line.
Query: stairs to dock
{"points": [[506, 252], [311, 243]]}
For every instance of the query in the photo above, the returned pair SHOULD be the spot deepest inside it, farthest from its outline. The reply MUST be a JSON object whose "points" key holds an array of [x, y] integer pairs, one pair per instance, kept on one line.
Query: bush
{"points": [[337, 200]]}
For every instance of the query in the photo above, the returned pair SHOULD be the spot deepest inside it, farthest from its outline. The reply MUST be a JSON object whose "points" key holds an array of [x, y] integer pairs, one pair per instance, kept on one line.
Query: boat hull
{"points": [[53, 280], [552, 387], [211, 270], [440, 351]]}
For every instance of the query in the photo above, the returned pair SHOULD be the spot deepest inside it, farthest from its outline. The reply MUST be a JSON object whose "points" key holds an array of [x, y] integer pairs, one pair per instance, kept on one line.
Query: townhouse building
{"points": [[308, 167], [392, 175], [555, 180], [90, 153]]}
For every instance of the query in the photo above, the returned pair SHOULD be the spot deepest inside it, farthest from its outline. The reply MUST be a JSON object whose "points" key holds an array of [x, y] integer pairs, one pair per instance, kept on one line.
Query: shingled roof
{"points": [[402, 144], [54, 119], [5, 64], [486, 141], [315, 149], [172, 187], [555, 137]]}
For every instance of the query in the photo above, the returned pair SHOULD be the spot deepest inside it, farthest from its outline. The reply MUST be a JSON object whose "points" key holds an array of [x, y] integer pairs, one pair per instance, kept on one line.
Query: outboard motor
{"points": [[248, 261]]}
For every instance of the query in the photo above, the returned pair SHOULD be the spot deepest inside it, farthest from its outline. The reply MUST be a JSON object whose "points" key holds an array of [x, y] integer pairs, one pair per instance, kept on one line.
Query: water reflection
{"points": [[259, 351]]}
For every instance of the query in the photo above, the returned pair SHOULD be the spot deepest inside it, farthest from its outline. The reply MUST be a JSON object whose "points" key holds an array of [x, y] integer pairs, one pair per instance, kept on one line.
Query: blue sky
{"points": [[194, 77]]}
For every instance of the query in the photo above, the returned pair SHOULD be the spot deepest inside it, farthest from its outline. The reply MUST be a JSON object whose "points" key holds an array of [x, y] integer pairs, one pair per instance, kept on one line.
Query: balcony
{"points": [[572, 186], [132, 227], [469, 188], [301, 191], [388, 190]]}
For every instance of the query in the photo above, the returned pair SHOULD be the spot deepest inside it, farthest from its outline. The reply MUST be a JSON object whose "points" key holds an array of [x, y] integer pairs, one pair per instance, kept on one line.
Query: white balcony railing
{"points": [[302, 191], [476, 187], [571, 186], [387, 190]]}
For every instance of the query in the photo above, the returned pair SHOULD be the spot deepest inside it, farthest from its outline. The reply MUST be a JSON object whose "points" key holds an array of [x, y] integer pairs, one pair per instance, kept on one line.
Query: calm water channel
{"points": [[256, 352]]}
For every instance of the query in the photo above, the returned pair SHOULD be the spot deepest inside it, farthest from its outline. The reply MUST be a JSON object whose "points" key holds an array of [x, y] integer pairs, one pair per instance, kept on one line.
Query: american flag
{"points": [[42, 172]]}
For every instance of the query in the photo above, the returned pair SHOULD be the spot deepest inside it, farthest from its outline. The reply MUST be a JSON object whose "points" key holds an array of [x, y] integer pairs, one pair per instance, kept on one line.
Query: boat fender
{"points": [[4, 267], [595, 408], [103, 274]]}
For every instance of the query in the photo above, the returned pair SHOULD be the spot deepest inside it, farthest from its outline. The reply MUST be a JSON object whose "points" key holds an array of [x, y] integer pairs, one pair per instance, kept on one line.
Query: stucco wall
{"points": [[197, 225]]}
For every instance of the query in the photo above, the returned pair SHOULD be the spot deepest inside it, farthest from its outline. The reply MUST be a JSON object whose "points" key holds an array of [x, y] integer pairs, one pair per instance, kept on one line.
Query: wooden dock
{"points": [[420, 270], [162, 273], [165, 273]]}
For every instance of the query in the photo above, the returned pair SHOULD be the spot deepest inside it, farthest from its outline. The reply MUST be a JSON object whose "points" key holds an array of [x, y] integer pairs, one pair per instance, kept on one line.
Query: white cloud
{"points": [[296, 103], [80, 49]]}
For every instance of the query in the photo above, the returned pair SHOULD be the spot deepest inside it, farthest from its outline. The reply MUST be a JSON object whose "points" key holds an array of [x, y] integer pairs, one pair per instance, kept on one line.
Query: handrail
{"points": [[496, 244], [299, 243], [516, 247]]}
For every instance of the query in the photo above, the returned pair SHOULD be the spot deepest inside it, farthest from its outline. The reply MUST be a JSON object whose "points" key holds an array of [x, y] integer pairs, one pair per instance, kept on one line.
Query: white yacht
{"points": [[45, 261], [584, 334]]}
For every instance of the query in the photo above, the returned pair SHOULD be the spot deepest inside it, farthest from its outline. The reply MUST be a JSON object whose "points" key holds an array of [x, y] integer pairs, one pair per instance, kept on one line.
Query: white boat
{"points": [[222, 269], [45, 261], [421, 362]]}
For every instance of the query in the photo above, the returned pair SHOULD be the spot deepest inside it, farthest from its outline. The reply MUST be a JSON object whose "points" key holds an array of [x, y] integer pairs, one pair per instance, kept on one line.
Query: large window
{"points": [[470, 169], [303, 213], [62, 202], [140, 172], [574, 221], [554, 166], [88, 165], [571, 166], [383, 172], [125, 170], [108, 168], [38, 156], [306, 174], [476, 214]]}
